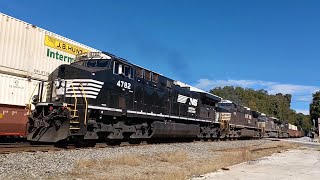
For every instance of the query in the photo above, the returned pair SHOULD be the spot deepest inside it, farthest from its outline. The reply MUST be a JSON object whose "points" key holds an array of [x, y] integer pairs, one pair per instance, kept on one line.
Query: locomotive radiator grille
{"points": [[224, 119]]}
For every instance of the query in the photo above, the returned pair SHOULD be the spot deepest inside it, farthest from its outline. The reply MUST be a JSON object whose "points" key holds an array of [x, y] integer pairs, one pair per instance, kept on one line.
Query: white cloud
{"points": [[207, 84], [303, 111], [292, 89]]}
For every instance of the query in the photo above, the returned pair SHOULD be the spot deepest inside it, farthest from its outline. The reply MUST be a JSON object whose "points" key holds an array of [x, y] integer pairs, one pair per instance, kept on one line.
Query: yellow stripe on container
{"points": [[63, 46]]}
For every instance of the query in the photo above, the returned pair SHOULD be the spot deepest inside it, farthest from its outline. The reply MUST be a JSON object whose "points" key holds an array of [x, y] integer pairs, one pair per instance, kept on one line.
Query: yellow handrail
{"points": [[85, 99], [75, 100]]}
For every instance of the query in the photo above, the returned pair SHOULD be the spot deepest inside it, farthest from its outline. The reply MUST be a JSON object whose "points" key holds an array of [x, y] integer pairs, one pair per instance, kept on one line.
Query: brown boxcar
{"points": [[13, 121], [295, 133]]}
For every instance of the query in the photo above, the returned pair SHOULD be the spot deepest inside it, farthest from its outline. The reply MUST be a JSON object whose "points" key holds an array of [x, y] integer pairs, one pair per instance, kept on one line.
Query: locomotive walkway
{"points": [[297, 164]]}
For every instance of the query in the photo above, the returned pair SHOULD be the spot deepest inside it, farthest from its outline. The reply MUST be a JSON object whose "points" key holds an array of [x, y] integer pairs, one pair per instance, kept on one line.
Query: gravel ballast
{"points": [[44, 165]]}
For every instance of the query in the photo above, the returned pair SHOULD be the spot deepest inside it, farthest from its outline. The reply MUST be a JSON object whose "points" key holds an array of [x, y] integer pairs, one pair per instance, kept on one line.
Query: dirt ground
{"points": [[299, 163], [302, 163]]}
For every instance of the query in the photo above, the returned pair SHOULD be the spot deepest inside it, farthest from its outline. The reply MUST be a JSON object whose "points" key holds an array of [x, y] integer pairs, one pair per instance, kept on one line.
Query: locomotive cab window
{"points": [[147, 75], [119, 68], [93, 63], [139, 72], [155, 77], [78, 63], [102, 63]]}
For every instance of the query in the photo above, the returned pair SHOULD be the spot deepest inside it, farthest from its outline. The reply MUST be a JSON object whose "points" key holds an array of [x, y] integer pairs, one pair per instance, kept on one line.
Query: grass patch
{"points": [[172, 157], [125, 160], [174, 165]]}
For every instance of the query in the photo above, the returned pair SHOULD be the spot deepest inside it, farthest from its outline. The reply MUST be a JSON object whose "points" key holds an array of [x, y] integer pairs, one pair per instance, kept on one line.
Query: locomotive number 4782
{"points": [[124, 84]]}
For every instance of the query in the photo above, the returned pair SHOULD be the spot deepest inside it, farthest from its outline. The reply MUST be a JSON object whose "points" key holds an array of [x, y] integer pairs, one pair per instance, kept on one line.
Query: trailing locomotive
{"points": [[245, 122], [102, 96]]}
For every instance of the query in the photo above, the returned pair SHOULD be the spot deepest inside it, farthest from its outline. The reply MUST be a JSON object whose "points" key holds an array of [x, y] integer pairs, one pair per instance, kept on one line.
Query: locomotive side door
{"points": [[138, 99]]}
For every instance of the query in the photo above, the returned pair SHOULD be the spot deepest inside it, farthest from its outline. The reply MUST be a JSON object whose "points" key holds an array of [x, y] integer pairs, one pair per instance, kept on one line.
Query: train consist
{"points": [[102, 96]]}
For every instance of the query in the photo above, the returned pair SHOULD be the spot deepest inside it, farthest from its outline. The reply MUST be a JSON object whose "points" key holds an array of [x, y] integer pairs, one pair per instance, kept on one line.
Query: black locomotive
{"points": [[102, 96]]}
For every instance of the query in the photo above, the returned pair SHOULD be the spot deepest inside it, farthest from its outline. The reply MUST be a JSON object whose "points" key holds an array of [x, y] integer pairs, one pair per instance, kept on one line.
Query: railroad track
{"points": [[8, 148]]}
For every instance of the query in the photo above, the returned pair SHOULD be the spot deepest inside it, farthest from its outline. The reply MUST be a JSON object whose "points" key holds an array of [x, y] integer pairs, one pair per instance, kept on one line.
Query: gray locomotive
{"points": [[101, 96]]}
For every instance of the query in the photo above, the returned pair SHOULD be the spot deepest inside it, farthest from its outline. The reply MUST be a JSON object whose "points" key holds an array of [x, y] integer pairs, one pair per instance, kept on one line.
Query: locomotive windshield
{"points": [[94, 63], [98, 63], [93, 59]]}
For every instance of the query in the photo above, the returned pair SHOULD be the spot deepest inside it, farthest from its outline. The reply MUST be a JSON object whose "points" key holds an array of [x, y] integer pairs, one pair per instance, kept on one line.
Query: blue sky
{"points": [[270, 44]]}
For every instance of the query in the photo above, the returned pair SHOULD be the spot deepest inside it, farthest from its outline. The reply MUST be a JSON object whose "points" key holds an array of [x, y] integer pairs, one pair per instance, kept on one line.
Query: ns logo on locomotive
{"points": [[101, 96]]}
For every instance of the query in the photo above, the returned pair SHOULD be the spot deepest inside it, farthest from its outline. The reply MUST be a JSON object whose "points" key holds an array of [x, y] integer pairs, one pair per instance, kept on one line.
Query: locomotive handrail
{"points": [[85, 99], [29, 104], [43, 94], [75, 99]]}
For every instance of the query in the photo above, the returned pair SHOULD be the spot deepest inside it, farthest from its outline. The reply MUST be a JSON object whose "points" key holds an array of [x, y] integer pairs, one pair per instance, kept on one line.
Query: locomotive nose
{"points": [[48, 123], [49, 134]]}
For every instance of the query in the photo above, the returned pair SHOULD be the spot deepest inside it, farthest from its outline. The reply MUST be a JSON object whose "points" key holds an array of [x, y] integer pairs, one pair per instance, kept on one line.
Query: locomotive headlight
{"points": [[57, 98], [59, 87], [57, 83], [35, 98]]}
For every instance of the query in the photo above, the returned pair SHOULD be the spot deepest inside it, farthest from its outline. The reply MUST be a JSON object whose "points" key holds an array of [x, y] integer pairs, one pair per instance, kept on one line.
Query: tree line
{"points": [[277, 105], [315, 110]]}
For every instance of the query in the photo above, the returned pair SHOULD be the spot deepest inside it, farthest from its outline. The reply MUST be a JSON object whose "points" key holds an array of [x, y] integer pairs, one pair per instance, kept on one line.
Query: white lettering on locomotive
{"points": [[193, 102], [191, 110], [124, 84], [183, 99]]}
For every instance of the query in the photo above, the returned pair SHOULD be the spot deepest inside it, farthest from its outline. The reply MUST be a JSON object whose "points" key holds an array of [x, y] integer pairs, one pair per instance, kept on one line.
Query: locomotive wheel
{"points": [[61, 144], [34, 142], [79, 142], [134, 141], [113, 142]]}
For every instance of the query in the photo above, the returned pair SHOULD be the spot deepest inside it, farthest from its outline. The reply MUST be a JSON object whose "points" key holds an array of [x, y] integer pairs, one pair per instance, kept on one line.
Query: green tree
{"points": [[315, 107]]}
